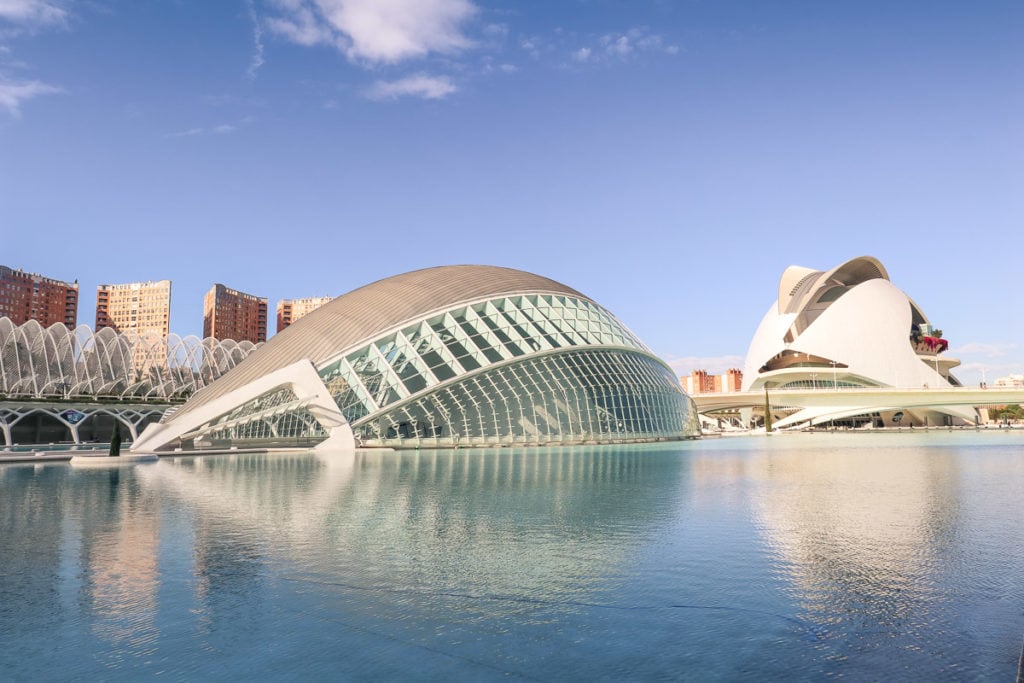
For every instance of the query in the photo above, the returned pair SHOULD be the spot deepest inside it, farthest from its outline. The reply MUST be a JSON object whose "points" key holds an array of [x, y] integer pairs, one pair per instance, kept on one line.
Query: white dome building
{"points": [[849, 327], [442, 357]]}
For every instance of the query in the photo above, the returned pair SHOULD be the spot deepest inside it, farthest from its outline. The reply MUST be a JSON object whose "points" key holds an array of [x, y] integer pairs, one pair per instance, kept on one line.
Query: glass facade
{"points": [[531, 369], [276, 417], [450, 357]]}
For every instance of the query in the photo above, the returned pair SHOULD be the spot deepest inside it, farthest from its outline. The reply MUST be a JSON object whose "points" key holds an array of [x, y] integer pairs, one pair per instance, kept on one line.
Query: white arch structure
{"points": [[58, 362], [848, 327]]}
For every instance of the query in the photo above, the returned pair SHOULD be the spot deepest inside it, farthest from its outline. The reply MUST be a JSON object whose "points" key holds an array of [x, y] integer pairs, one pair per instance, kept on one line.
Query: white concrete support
{"points": [[301, 377]]}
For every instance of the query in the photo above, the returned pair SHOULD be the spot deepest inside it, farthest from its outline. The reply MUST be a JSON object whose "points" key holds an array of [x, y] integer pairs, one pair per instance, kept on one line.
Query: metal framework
{"points": [[72, 422], [58, 362]]}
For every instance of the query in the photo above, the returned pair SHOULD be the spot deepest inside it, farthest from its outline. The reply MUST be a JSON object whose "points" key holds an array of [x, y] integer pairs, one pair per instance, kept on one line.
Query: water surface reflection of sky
{"points": [[795, 556]]}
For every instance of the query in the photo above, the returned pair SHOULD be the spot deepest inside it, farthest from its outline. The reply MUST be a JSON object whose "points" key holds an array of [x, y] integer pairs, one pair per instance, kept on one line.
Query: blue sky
{"points": [[669, 159]]}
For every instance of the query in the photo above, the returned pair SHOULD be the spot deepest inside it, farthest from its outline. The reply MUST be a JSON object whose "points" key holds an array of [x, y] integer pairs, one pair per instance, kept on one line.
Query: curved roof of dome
{"points": [[799, 284], [858, 270], [364, 313]]}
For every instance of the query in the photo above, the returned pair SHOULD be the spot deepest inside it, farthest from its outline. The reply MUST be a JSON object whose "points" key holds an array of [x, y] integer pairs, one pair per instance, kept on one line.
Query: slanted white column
{"points": [[301, 377]]}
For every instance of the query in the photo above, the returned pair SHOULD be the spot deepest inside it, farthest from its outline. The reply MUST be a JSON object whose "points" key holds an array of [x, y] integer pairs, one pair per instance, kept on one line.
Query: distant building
{"points": [[1009, 382], [142, 307], [231, 314], [700, 382], [30, 296], [290, 310]]}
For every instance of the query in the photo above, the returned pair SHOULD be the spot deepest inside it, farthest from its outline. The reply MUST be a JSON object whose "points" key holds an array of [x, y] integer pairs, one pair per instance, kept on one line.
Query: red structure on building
{"points": [[30, 296], [231, 314]]}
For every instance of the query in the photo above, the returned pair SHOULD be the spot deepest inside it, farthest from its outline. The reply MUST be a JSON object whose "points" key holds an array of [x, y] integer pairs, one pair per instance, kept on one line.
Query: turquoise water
{"points": [[791, 557]]}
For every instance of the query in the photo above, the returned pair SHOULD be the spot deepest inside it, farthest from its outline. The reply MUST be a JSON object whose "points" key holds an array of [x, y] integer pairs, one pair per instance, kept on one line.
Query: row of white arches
{"points": [[60, 362]]}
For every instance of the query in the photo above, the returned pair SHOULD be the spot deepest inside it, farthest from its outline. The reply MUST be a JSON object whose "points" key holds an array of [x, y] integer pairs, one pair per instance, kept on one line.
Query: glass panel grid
{"points": [[580, 396], [399, 365]]}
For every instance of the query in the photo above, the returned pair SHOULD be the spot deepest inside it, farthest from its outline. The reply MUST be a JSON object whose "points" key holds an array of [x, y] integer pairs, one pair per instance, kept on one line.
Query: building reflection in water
{"points": [[514, 523], [857, 533], [30, 549], [119, 550]]}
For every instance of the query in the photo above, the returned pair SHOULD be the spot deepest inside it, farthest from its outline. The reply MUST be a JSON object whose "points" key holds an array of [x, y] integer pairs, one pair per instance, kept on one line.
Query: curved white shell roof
{"points": [[852, 315]]}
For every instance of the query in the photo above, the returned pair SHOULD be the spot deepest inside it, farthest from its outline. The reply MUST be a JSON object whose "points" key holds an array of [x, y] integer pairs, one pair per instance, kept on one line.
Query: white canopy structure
{"points": [[848, 327], [58, 362]]}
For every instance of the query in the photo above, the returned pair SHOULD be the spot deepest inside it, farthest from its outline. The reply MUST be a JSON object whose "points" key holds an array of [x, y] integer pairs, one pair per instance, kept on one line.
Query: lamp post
{"points": [[835, 384], [814, 380]]}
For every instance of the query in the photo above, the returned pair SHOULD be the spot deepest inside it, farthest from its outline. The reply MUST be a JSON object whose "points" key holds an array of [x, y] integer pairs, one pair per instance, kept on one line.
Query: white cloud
{"points": [[624, 46], [616, 46], [17, 16], [33, 13], [420, 85], [532, 45], [257, 39], [716, 365], [12, 95], [300, 24], [376, 31], [187, 133], [221, 129]]}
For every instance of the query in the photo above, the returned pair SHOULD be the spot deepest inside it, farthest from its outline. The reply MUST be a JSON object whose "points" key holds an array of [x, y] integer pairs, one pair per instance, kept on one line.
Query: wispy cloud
{"points": [[582, 55], [376, 31], [488, 66], [257, 39], [624, 46], [716, 365], [420, 85], [220, 129], [31, 14], [12, 94], [19, 16]]}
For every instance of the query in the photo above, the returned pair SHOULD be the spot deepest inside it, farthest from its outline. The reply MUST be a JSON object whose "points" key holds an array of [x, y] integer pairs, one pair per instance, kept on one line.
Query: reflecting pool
{"points": [[794, 557]]}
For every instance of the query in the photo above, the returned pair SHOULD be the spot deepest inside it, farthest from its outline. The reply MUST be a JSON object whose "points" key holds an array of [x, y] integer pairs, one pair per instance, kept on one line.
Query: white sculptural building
{"points": [[444, 357], [849, 327]]}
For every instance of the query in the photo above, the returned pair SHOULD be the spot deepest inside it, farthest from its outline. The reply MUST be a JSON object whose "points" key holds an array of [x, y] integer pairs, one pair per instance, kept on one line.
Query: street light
{"points": [[835, 384]]}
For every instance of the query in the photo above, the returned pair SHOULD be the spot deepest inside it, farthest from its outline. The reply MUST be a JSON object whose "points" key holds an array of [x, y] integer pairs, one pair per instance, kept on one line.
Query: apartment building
{"points": [[30, 296], [144, 307], [290, 310], [231, 314]]}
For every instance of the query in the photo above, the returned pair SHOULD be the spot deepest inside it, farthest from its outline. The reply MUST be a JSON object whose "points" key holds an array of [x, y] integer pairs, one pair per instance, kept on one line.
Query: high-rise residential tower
{"points": [[30, 296], [231, 314], [144, 307], [290, 310]]}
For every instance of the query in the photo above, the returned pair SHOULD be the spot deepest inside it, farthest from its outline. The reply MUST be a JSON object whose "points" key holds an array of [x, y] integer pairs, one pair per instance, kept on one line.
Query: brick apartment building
{"points": [[31, 296], [231, 314]]}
